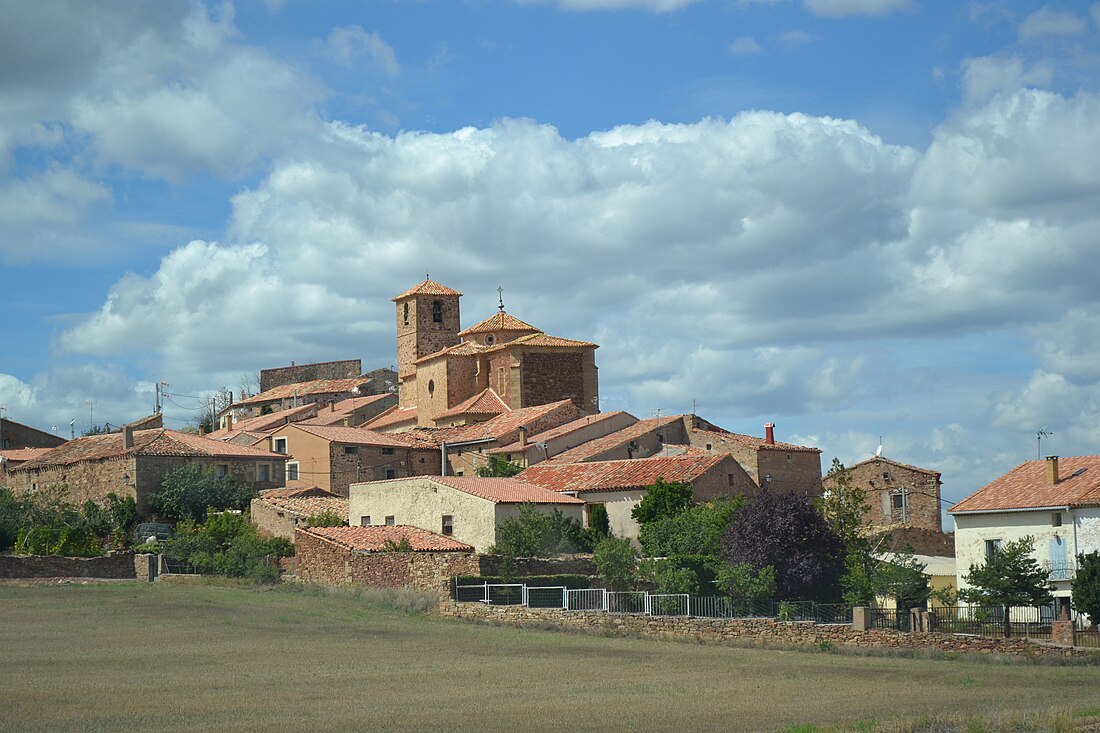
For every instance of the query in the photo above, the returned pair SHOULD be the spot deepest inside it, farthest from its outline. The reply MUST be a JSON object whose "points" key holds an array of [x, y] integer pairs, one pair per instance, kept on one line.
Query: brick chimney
{"points": [[769, 433], [1052, 469], [229, 421], [127, 437], [332, 406], [523, 435]]}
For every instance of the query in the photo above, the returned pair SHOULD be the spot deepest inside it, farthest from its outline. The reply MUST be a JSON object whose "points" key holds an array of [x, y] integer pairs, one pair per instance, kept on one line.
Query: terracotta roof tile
{"points": [[264, 423], [543, 340], [304, 502], [566, 429], [391, 417], [428, 287], [336, 413], [373, 538], [316, 386], [485, 402], [1027, 487], [882, 459], [356, 436], [593, 448], [465, 348], [23, 454], [620, 475], [503, 425], [499, 321], [505, 490], [158, 442], [751, 441]]}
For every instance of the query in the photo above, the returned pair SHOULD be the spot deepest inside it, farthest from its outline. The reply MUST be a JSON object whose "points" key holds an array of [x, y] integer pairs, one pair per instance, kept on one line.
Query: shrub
{"points": [[48, 524], [616, 560], [696, 530], [188, 491], [1086, 586], [662, 499], [228, 544], [534, 534], [327, 518], [743, 581]]}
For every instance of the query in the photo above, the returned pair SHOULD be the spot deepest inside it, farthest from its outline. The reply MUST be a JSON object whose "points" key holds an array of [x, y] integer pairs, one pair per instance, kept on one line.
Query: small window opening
{"points": [[391, 473], [406, 314], [437, 312], [387, 451], [364, 521], [448, 523], [992, 547], [1056, 519], [390, 521], [351, 450]]}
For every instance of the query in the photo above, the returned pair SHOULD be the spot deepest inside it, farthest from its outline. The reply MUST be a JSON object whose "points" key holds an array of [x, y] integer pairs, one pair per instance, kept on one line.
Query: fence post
{"points": [[485, 597], [647, 605], [861, 618], [687, 603], [523, 595], [566, 594], [606, 607]]}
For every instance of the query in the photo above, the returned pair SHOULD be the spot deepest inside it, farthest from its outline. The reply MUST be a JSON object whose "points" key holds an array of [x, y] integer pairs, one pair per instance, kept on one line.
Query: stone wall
{"points": [[793, 471], [329, 564], [743, 632], [115, 565], [923, 541], [18, 435], [552, 376], [271, 378]]}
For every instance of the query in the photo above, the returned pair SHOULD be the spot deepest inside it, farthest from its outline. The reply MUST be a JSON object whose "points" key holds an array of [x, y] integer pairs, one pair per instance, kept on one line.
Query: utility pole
{"points": [[160, 384]]}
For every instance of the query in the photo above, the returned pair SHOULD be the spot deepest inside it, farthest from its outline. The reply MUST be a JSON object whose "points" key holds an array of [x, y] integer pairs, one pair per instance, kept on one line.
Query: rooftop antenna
{"points": [[878, 453], [1039, 435], [500, 296], [91, 408]]}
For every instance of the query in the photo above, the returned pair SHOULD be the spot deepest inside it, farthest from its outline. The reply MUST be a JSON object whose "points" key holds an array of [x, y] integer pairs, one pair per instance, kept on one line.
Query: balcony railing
{"points": [[1061, 570]]}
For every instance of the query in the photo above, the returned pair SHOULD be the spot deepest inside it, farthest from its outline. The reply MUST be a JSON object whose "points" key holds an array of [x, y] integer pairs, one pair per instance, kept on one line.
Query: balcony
{"points": [[1062, 570]]}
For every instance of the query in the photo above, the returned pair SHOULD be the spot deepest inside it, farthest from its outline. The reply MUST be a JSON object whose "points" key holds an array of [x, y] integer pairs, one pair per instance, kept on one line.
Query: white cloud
{"points": [[744, 46], [653, 6], [842, 8], [794, 38], [44, 211], [348, 44], [1047, 22]]}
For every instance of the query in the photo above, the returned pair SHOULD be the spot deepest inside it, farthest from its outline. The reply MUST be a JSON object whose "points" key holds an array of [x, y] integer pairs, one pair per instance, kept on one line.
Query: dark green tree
{"points": [[903, 579], [327, 518], [535, 534], [616, 563], [228, 544], [188, 491], [662, 499], [497, 467], [692, 531], [1009, 577], [1086, 586], [845, 507]]}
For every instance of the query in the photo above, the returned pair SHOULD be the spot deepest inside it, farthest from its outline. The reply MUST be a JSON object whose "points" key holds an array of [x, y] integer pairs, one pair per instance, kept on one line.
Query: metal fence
{"points": [[989, 621], [650, 604], [1086, 633]]}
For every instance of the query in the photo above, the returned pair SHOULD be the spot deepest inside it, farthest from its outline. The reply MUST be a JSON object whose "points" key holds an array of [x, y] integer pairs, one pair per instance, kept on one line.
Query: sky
{"points": [[863, 220]]}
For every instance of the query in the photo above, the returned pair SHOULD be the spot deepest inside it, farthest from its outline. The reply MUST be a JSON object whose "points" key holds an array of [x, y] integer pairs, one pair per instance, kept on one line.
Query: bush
{"points": [[569, 580], [327, 518], [187, 492], [744, 582], [693, 531], [534, 534], [1086, 586], [228, 544], [48, 524], [616, 560], [662, 499]]}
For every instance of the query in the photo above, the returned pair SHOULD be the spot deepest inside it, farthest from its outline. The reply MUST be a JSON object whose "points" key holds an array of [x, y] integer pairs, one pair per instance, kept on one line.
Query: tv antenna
{"points": [[1039, 435]]}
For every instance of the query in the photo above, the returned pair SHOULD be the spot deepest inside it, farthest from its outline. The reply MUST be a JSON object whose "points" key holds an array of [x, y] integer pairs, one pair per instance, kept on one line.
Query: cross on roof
{"points": [[500, 295]]}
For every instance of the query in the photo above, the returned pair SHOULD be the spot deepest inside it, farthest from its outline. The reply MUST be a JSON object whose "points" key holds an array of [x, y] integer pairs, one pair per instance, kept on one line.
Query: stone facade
{"points": [[552, 376], [277, 377], [744, 632], [491, 565], [328, 564], [898, 494], [419, 333], [119, 565], [18, 435]]}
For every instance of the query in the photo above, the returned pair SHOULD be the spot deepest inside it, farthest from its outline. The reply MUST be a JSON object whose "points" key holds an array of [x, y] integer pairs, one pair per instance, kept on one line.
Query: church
{"points": [[450, 376]]}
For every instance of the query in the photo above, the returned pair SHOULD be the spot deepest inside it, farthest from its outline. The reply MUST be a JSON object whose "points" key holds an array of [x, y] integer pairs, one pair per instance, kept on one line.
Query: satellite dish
{"points": [[878, 453]]}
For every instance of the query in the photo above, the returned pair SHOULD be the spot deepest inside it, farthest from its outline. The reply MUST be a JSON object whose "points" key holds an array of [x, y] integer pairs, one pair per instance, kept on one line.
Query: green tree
{"points": [[744, 582], [668, 576], [845, 507], [902, 578], [228, 544], [1009, 577], [188, 491], [696, 530], [616, 562], [662, 499], [1086, 586], [327, 518], [497, 467], [535, 534]]}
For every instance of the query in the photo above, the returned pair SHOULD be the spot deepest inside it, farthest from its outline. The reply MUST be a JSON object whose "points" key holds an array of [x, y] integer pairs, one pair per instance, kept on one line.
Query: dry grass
{"points": [[194, 657]]}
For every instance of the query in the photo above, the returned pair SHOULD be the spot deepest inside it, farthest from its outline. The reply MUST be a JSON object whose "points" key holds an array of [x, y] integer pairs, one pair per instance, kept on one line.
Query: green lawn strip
{"points": [[174, 657]]}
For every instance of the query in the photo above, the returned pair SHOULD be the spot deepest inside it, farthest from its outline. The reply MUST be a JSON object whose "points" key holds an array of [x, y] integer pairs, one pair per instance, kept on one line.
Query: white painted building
{"points": [[1056, 502]]}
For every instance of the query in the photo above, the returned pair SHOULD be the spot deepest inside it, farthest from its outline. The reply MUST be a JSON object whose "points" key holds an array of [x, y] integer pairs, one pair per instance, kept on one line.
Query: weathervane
{"points": [[500, 296]]}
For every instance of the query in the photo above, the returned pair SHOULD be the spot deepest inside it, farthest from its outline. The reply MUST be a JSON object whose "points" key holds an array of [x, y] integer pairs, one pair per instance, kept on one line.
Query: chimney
{"points": [[332, 406], [769, 433], [523, 435], [1052, 469], [128, 437], [229, 421]]}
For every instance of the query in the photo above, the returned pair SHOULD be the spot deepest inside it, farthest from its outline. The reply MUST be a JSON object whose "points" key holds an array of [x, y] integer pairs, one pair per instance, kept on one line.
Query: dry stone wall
{"points": [[116, 565]]}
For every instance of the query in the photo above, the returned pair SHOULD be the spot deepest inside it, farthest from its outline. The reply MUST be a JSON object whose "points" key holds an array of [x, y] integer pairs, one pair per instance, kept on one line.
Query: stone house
{"points": [[247, 431], [134, 463], [321, 391], [278, 512], [529, 450], [346, 555], [333, 458], [899, 495], [15, 457], [17, 435], [354, 411], [396, 419], [296, 373], [1056, 502], [621, 485], [467, 509], [442, 367]]}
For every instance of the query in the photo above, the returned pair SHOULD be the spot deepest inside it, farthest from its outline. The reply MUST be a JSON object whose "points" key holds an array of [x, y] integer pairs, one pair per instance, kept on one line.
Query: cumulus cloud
{"points": [[842, 8], [744, 46], [51, 399], [349, 44], [1047, 22]]}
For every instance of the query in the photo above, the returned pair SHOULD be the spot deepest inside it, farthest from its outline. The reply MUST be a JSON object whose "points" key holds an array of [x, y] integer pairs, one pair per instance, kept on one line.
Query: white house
{"points": [[1056, 502]]}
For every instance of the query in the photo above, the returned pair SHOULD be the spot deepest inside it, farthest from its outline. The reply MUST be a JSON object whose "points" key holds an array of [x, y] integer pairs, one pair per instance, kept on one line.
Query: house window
{"points": [[437, 312], [459, 472], [431, 387], [280, 445], [489, 339], [351, 450], [364, 521], [387, 451], [992, 547], [263, 472], [508, 456], [406, 314], [500, 379], [730, 478], [221, 470], [390, 521], [292, 471], [1056, 519], [391, 473], [448, 527], [709, 446], [897, 501], [660, 437]]}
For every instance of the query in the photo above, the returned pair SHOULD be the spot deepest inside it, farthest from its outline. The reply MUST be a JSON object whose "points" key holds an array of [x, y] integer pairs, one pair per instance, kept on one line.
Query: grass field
{"points": [[163, 657]]}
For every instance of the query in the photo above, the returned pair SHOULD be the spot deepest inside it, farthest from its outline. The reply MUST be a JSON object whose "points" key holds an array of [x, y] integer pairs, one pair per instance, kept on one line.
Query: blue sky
{"points": [[855, 218]]}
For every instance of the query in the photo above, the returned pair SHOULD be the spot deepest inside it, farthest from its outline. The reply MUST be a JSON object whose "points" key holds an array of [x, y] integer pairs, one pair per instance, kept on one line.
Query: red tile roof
{"points": [[313, 387], [543, 340], [465, 348], [305, 502], [505, 490], [336, 413], [881, 459], [593, 448], [356, 436], [758, 444], [1027, 487], [485, 402], [374, 538], [500, 321], [23, 454], [566, 429], [264, 423], [620, 475], [393, 416], [157, 442], [428, 287], [503, 425]]}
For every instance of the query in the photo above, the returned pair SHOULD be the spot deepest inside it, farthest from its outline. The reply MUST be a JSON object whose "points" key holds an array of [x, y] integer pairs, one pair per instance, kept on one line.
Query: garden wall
{"points": [[741, 632], [115, 565], [490, 565]]}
